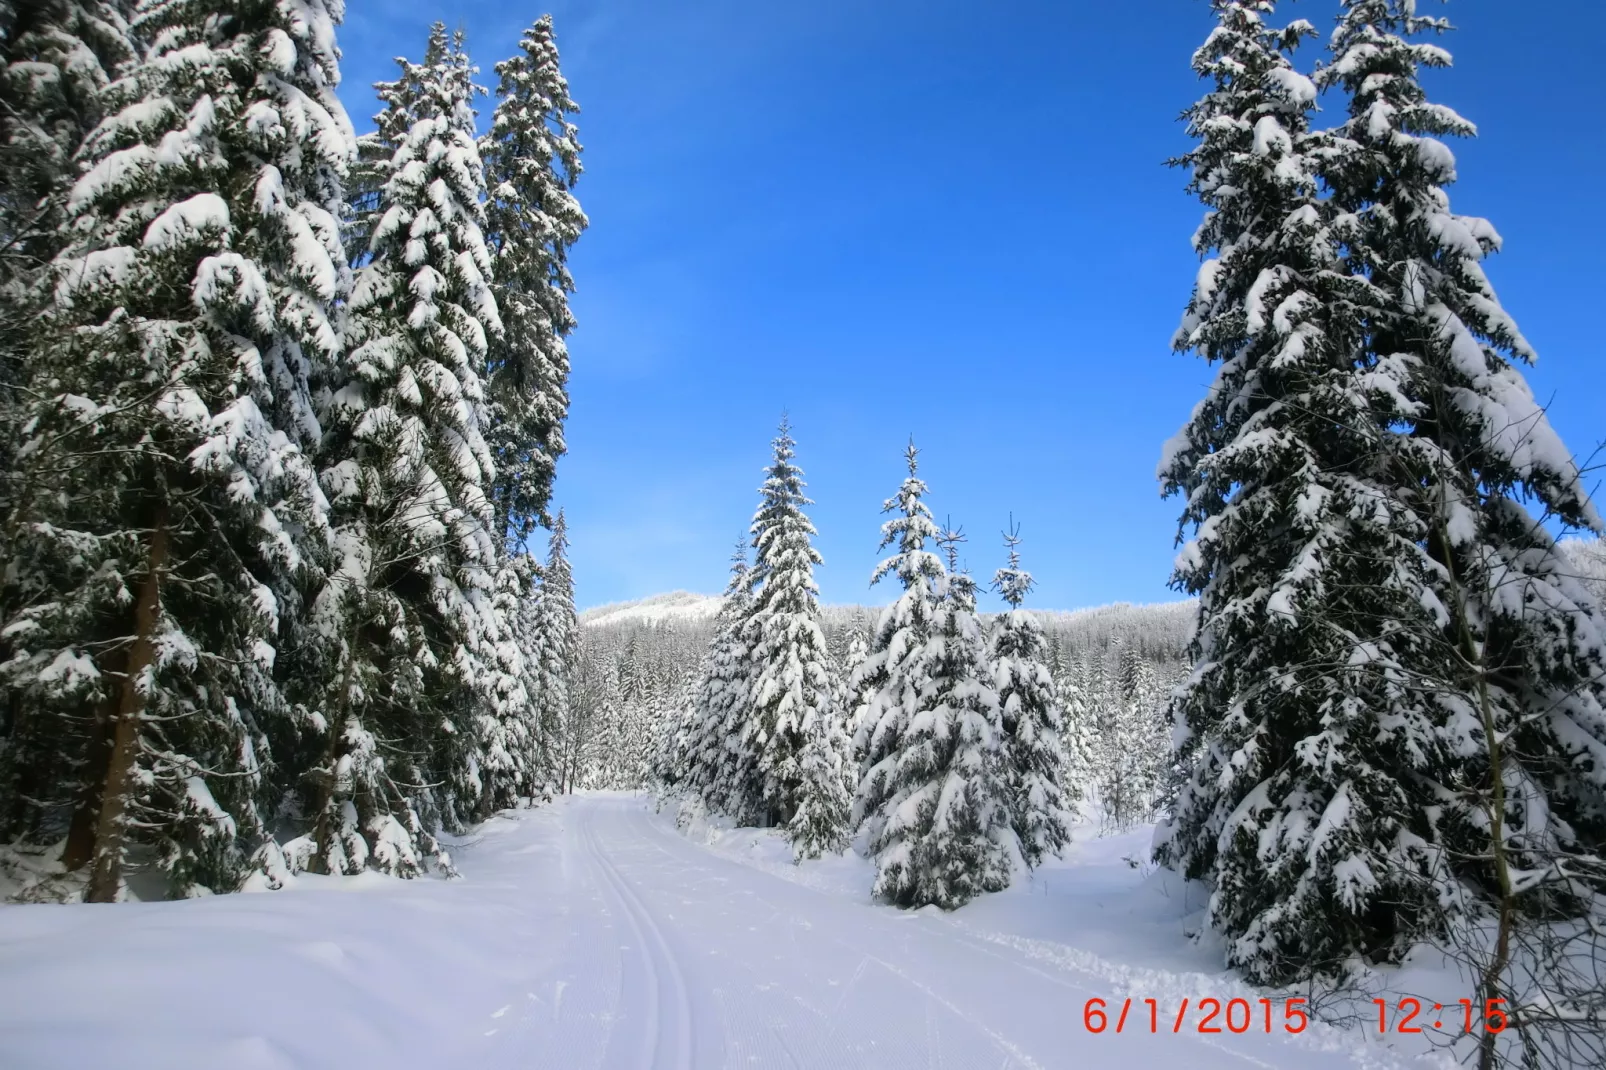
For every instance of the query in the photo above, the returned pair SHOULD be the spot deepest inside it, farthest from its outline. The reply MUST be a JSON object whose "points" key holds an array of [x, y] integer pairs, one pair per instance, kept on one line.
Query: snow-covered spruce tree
{"points": [[932, 794], [677, 735], [856, 650], [1077, 742], [792, 734], [1072, 694], [557, 649], [588, 691], [890, 678], [409, 616], [193, 294], [820, 823], [1031, 721], [853, 701], [512, 746], [1054, 658], [1513, 665], [532, 161], [971, 846], [376, 151], [644, 695], [600, 746], [722, 699], [1348, 699], [1133, 742], [1303, 805], [57, 63]]}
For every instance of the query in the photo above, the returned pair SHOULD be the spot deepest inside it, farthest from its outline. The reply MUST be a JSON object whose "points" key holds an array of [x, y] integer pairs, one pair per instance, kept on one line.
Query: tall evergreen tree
{"points": [[1266, 465], [790, 661], [58, 62], [170, 412], [791, 733], [819, 825], [890, 676], [1031, 722], [532, 161], [1287, 532], [1353, 478], [932, 792], [1278, 465], [1513, 659], [587, 698], [409, 615], [677, 738]]}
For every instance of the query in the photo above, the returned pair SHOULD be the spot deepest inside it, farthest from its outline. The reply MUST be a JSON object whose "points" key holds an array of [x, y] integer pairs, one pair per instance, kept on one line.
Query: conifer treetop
{"points": [[1246, 130], [1430, 300], [1012, 582], [740, 581], [783, 555], [423, 309], [538, 95], [558, 571], [909, 530], [951, 539]]}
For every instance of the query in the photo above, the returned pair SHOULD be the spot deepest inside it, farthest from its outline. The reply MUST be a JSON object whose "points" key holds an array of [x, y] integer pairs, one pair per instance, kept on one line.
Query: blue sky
{"points": [[952, 220]]}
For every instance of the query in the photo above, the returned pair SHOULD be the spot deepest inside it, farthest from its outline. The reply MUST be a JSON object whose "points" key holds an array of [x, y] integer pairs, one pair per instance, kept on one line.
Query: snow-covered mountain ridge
{"points": [[673, 605], [1588, 556], [691, 606]]}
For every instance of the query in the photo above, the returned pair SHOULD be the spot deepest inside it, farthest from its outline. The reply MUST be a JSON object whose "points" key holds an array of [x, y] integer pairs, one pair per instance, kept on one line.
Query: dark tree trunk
{"points": [[106, 875], [80, 847]]}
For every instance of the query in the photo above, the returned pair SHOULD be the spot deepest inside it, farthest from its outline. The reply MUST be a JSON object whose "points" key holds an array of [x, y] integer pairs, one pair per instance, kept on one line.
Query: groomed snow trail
{"points": [[591, 935], [724, 965]]}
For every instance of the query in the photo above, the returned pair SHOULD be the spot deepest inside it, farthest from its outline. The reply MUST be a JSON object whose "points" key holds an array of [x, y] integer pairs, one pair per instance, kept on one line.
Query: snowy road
{"points": [[591, 934]]}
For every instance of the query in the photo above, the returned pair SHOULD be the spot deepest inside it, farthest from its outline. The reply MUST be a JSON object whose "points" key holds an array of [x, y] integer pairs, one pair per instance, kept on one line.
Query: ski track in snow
{"points": [[666, 1041], [591, 935]]}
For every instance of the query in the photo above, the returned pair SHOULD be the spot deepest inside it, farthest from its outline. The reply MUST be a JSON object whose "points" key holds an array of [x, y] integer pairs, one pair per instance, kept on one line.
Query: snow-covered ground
{"points": [[593, 933]]}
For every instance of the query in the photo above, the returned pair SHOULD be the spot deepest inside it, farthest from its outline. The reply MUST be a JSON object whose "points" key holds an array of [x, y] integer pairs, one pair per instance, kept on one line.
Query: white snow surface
{"points": [[592, 933]]}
